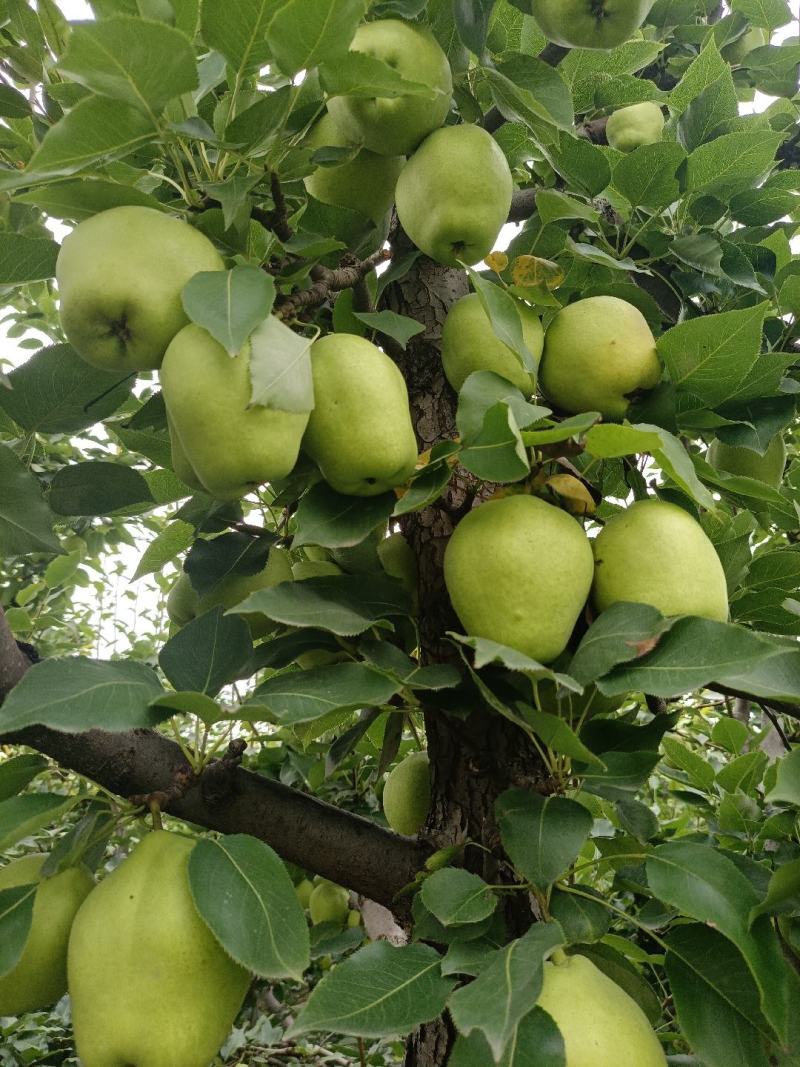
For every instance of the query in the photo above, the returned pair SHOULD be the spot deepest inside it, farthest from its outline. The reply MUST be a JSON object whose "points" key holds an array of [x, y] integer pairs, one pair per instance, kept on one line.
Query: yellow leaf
{"points": [[496, 261], [573, 493], [532, 272]]}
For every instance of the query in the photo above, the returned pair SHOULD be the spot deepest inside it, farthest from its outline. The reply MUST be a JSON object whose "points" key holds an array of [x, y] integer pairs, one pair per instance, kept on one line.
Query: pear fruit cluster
{"points": [[519, 571], [407, 794], [601, 24], [149, 983], [600, 1024], [39, 977]]}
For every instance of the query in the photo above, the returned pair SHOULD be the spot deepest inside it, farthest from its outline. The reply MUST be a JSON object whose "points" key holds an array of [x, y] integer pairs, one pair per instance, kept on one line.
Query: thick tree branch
{"points": [[326, 282], [346, 848], [781, 706]]}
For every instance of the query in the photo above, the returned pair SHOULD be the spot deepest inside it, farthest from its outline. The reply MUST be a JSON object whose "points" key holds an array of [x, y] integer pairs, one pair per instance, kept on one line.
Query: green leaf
{"points": [[302, 696], [95, 130], [502, 994], [379, 991], [621, 633], [81, 199], [55, 391], [22, 816], [694, 652], [229, 304], [783, 893], [166, 546], [81, 694], [708, 886], [542, 835], [496, 453], [346, 605], [458, 898], [716, 104], [637, 819], [305, 33], [487, 652], [707, 68], [358, 74], [97, 488], [16, 915], [561, 431], [482, 391], [26, 259], [648, 176], [193, 703], [239, 32], [732, 162], [280, 367], [13, 104], [787, 786], [399, 327], [700, 773], [207, 653], [527, 89], [501, 308], [558, 735], [625, 773], [715, 998], [331, 520], [743, 773], [26, 522], [730, 734], [245, 896], [17, 772], [537, 1042], [581, 919], [211, 562], [143, 63]]}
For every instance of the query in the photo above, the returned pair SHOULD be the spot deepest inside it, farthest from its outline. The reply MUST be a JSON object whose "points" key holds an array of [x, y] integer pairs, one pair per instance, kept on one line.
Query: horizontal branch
{"points": [[523, 205], [327, 282], [346, 848], [781, 706]]}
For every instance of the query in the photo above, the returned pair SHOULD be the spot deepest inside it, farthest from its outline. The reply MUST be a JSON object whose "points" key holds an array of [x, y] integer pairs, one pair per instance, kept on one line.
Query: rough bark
{"points": [[475, 755]]}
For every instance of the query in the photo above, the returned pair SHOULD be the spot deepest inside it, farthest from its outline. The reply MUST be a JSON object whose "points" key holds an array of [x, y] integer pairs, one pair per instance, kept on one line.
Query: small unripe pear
{"points": [[639, 124], [746, 463], [601, 1025], [398, 560], [329, 903], [470, 344], [39, 977], [656, 553], [304, 890], [407, 794]]}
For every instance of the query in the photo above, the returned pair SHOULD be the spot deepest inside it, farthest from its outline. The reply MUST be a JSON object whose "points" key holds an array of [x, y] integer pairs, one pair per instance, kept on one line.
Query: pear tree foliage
{"points": [[219, 371]]}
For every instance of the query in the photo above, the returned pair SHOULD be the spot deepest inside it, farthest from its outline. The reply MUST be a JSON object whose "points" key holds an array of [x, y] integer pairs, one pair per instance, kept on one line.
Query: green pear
{"points": [[394, 126], [399, 561], [304, 890], [601, 1025], [364, 184], [519, 571], [120, 276], [150, 985], [39, 977], [407, 794], [454, 194], [360, 431], [470, 344], [184, 603], [636, 125], [329, 903], [590, 23], [737, 51], [733, 459], [231, 446], [597, 352], [180, 462], [655, 553]]}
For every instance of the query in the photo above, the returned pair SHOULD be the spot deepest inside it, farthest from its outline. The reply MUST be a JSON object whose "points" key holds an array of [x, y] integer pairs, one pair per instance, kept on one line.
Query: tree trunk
{"points": [[475, 755]]}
